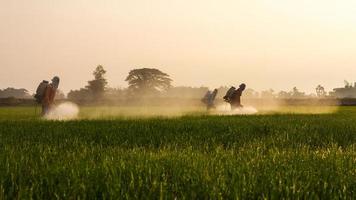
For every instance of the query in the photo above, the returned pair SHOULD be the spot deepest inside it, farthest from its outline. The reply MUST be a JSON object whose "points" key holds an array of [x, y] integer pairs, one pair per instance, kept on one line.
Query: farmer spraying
{"points": [[45, 94], [209, 99], [233, 96]]}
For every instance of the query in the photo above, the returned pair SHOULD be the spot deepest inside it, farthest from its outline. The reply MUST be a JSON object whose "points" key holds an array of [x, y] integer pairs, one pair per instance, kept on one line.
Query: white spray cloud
{"points": [[63, 111], [225, 109]]}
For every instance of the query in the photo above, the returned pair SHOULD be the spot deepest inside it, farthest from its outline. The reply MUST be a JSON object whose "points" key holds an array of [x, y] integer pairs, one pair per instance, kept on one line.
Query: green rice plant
{"points": [[266, 156]]}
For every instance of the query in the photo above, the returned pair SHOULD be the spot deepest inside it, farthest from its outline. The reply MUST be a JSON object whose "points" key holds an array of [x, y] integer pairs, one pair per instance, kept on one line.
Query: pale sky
{"points": [[275, 44]]}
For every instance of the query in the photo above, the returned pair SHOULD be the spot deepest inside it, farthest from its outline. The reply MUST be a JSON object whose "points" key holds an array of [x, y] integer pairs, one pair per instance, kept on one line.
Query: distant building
{"points": [[348, 91]]}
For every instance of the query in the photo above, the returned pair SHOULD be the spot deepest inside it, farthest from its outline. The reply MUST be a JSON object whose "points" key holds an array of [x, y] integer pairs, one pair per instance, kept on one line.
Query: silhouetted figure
{"points": [[45, 94], [233, 96], [209, 99]]}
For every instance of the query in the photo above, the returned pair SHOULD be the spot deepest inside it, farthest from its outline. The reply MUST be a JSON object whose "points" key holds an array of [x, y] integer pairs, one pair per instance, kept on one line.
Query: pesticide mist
{"points": [[63, 111], [224, 109]]}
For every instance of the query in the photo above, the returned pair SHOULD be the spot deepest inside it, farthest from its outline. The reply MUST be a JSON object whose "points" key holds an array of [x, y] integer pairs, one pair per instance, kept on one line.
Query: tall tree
{"points": [[148, 80], [98, 85], [320, 91]]}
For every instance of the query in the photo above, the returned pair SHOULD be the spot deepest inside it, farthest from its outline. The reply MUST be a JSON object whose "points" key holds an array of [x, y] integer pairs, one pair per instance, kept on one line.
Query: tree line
{"points": [[152, 82], [144, 82], [22, 93]]}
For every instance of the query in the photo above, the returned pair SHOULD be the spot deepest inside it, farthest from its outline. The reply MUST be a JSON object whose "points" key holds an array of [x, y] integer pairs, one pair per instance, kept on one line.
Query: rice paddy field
{"points": [[174, 153]]}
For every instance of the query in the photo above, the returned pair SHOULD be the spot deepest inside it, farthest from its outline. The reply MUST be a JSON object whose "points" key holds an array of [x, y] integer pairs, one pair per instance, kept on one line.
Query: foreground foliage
{"points": [[310, 156]]}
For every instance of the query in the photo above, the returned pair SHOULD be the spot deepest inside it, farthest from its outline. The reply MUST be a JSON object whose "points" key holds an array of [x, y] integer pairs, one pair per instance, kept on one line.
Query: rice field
{"points": [[175, 153]]}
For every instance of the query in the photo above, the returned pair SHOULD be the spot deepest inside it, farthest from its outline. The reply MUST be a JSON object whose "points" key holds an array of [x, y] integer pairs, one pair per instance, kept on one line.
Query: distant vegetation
{"points": [[148, 81], [95, 89], [15, 93], [152, 82]]}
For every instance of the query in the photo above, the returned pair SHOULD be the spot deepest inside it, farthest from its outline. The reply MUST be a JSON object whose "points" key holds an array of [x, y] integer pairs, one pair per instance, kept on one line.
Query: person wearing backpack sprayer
{"points": [[233, 96], [209, 99], [45, 94]]}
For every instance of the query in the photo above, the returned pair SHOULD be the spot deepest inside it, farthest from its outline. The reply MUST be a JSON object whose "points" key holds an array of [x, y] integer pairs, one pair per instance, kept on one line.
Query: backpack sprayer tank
{"points": [[228, 94], [41, 89]]}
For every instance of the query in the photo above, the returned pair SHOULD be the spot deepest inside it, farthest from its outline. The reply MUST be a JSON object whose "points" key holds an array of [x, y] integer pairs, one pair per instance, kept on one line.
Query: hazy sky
{"points": [[265, 43]]}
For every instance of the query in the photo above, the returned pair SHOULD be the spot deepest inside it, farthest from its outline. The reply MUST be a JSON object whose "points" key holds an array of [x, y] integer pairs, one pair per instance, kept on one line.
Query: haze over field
{"points": [[275, 44]]}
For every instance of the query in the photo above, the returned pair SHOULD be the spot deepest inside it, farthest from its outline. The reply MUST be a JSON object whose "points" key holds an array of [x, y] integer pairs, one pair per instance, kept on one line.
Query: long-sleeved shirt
{"points": [[236, 97], [49, 95]]}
